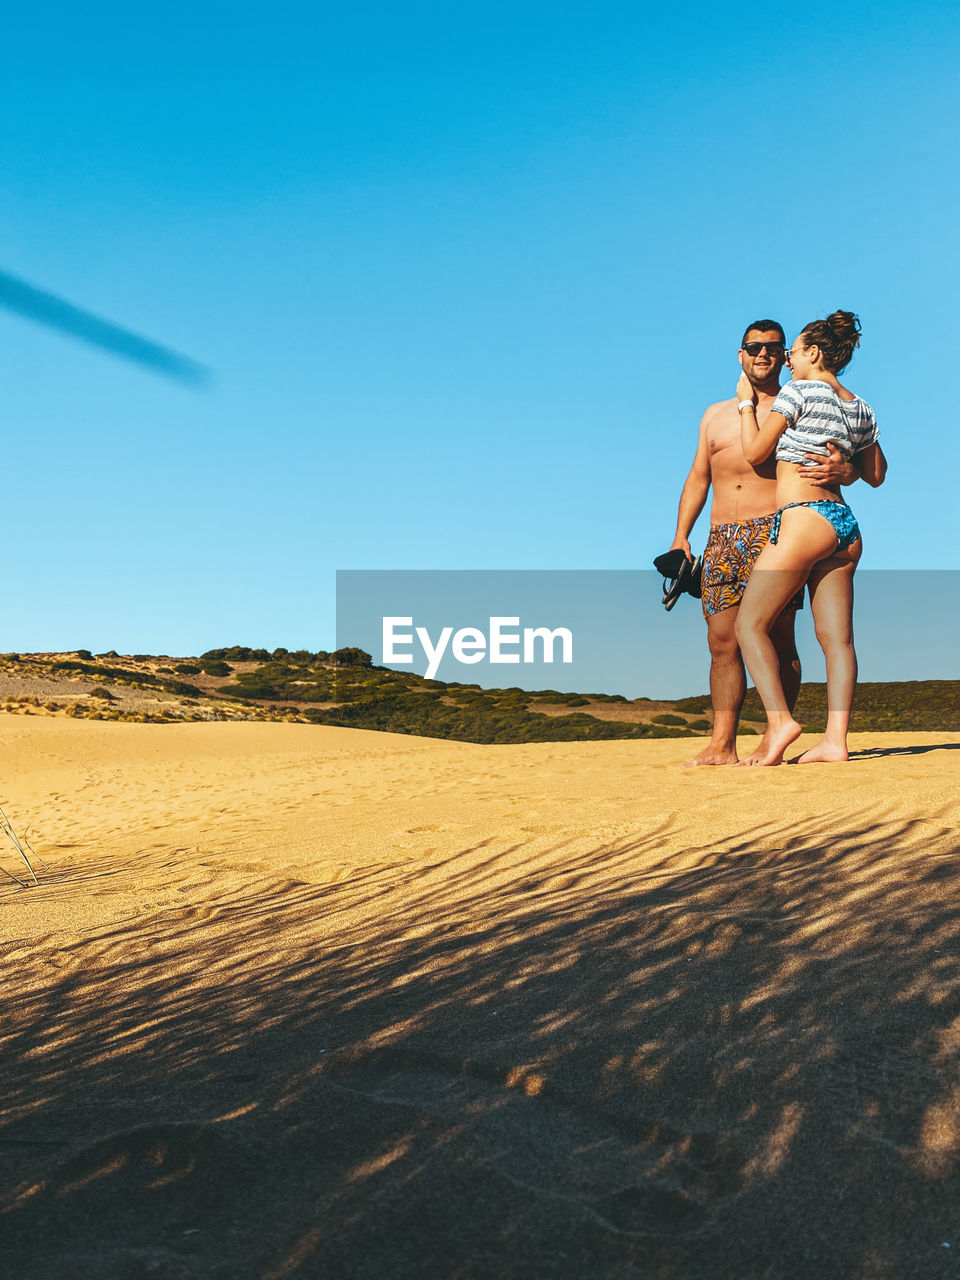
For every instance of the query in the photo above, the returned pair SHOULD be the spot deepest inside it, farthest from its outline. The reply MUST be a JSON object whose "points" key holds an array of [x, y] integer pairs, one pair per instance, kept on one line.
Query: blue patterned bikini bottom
{"points": [[838, 513]]}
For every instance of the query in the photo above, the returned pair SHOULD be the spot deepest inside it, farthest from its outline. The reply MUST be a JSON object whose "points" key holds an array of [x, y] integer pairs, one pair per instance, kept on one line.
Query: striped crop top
{"points": [[815, 414]]}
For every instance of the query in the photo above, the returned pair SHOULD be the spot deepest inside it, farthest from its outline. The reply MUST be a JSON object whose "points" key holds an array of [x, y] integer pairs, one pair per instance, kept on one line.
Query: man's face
{"points": [[769, 358]]}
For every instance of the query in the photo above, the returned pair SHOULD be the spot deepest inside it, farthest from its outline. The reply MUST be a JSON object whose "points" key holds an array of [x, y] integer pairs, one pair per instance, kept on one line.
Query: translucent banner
{"points": [[607, 631]]}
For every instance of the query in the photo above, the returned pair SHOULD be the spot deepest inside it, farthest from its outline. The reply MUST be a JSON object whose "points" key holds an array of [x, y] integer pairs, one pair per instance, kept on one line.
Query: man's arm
{"points": [[873, 465], [694, 492], [869, 465], [834, 469]]}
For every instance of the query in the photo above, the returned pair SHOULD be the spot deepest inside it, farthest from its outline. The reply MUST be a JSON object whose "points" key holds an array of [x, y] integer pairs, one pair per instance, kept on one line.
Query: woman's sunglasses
{"points": [[773, 348]]}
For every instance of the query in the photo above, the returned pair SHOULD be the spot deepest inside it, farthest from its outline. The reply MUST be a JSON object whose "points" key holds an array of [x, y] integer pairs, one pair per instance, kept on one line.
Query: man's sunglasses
{"points": [[773, 348]]}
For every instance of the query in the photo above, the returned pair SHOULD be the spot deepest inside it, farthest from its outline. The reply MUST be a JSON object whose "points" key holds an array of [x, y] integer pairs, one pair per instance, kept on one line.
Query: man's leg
{"points": [[728, 687], [783, 635]]}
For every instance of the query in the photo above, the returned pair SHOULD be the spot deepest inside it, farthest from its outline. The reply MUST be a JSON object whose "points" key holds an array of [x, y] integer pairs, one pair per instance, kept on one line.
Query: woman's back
{"points": [[815, 413]]}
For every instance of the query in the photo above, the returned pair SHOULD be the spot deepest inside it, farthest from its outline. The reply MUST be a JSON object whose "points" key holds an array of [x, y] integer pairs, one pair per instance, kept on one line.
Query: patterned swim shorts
{"points": [[731, 553]]}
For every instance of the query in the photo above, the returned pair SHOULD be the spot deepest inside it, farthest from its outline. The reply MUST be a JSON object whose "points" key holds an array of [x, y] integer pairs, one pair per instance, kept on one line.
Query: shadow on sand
{"points": [[509, 1063], [875, 753]]}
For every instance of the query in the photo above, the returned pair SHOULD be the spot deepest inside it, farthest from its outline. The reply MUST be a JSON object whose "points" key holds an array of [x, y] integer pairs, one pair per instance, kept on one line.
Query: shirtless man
{"points": [[744, 502]]}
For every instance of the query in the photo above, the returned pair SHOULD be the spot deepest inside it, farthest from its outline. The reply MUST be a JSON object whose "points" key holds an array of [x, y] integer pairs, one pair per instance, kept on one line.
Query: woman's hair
{"points": [[837, 337]]}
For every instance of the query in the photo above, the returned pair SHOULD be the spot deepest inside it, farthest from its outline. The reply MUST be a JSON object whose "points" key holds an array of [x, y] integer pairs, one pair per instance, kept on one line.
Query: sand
{"points": [[303, 1001]]}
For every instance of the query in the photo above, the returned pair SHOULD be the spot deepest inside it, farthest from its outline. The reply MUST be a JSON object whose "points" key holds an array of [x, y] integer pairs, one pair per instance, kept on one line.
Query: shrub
{"points": [[249, 689], [696, 705], [181, 688], [562, 699], [269, 671], [187, 669], [214, 667], [84, 653], [668, 719], [237, 653], [351, 658]]}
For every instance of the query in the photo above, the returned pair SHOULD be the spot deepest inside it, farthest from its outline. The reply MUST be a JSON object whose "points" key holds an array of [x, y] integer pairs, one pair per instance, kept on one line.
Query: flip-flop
{"points": [[681, 576], [696, 578]]}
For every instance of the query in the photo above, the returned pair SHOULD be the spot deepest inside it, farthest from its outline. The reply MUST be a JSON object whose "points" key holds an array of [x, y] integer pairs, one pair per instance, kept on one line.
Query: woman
{"points": [[815, 537]]}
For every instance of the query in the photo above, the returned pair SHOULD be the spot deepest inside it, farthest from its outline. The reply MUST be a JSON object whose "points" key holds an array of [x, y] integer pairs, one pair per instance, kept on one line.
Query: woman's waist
{"points": [[797, 447], [793, 486]]}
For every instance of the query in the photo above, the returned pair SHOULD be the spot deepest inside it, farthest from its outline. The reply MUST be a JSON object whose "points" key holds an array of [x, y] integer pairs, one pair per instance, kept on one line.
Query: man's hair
{"points": [[763, 325]]}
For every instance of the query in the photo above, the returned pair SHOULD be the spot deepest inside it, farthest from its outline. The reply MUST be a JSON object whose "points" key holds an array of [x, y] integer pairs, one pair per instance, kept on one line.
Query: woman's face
{"points": [[803, 360]]}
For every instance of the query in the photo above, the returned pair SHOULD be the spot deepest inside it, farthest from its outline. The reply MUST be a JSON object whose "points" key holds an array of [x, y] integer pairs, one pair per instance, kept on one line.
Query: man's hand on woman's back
{"points": [[834, 469]]}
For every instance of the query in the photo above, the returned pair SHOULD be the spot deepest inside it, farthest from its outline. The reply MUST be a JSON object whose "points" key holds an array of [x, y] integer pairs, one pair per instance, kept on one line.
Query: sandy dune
{"points": [[302, 1001]]}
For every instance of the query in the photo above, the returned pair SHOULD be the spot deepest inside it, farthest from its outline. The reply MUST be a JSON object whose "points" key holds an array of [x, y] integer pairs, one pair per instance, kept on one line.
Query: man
{"points": [[744, 503]]}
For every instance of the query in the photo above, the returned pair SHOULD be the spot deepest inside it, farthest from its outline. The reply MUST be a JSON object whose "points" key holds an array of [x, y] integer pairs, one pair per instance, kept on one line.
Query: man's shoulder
{"points": [[721, 409], [721, 406]]}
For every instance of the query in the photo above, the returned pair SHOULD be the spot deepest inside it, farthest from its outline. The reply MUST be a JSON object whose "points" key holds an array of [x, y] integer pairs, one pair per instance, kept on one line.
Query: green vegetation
{"points": [[345, 688], [917, 705], [124, 676], [180, 688], [350, 658], [562, 699], [214, 667], [359, 695], [696, 706], [238, 653]]}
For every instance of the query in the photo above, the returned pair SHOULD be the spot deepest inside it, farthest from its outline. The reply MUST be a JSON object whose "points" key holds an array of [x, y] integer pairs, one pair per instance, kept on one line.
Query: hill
{"points": [[344, 688]]}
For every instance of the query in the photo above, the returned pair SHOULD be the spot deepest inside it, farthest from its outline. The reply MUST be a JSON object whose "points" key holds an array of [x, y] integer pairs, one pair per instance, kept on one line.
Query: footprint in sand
{"points": [[626, 1174], [651, 1209], [198, 913], [148, 1183]]}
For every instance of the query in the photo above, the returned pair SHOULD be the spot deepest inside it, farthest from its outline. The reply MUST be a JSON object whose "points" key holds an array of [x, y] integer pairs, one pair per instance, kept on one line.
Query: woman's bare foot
{"points": [[712, 754], [824, 753], [774, 743], [758, 754]]}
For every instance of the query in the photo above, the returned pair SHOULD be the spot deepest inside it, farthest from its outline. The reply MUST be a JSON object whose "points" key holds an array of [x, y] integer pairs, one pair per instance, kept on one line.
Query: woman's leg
{"points": [[805, 538], [831, 598]]}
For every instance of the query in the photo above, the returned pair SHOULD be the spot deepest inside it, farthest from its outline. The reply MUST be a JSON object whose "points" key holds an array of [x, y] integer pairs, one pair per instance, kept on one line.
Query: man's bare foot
{"points": [[823, 753], [713, 755], [774, 743]]}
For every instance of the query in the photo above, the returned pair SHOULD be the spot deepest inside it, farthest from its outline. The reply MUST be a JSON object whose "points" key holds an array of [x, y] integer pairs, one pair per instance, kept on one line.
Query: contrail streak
{"points": [[45, 308]]}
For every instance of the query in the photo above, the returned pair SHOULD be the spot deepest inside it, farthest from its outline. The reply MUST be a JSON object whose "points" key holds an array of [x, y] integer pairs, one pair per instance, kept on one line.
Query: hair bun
{"points": [[846, 326], [837, 337]]}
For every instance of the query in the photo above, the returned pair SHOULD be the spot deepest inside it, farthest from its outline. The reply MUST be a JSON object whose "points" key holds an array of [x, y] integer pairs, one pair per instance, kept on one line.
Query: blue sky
{"points": [[467, 278]]}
